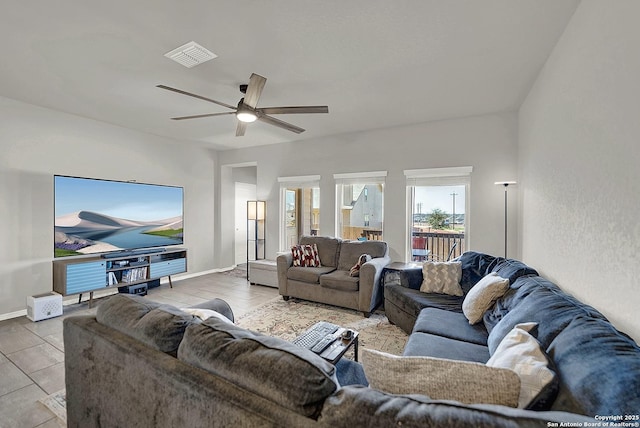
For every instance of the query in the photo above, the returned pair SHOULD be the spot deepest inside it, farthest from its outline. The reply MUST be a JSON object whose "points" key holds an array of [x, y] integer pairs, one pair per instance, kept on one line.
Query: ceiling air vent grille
{"points": [[190, 54]]}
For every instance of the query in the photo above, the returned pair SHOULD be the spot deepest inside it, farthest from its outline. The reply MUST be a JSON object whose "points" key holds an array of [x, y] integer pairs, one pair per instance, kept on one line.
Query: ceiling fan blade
{"points": [[280, 124], [200, 97], [294, 110], [241, 128], [254, 90], [197, 116]]}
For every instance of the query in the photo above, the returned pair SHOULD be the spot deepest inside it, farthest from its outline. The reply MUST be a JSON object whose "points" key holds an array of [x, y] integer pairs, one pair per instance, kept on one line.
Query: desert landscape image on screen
{"points": [[98, 216]]}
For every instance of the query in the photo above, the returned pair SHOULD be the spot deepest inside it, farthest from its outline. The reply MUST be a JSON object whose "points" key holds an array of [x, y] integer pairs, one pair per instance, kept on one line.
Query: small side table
{"points": [[337, 349], [406, 274]]}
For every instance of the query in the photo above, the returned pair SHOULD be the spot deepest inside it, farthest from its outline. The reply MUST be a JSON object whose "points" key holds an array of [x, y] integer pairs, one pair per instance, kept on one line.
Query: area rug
{"points": [[289, 319], [57, 403], [239, 271]]}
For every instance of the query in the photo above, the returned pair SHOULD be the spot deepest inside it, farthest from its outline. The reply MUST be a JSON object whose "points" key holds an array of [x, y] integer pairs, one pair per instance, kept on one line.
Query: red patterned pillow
{"points": [[305, 255]]}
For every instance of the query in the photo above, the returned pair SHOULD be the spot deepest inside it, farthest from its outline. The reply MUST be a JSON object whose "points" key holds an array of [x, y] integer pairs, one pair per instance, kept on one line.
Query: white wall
{"points": [[36, 143], [579, 162], [488, 143]]}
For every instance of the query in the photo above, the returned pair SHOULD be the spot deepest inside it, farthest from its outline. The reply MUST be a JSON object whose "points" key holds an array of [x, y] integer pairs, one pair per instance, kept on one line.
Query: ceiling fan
{"points": [[246, 110]]}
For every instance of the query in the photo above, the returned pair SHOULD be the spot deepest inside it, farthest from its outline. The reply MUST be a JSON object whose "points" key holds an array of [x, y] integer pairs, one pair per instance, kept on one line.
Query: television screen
{"points": [[99, 216]]}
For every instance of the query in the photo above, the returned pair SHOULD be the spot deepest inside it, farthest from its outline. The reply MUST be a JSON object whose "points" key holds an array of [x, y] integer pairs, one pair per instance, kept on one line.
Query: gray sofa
{"points": [[598, 367], [138, 363], [331, 283]]}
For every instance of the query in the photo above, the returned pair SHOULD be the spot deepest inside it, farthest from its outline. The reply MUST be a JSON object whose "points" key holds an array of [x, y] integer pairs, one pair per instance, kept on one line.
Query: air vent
{"points": [[190, 55]]}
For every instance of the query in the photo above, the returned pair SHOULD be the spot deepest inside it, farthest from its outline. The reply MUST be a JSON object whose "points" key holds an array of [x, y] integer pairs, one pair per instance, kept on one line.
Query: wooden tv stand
{"points": [[89, 274]]}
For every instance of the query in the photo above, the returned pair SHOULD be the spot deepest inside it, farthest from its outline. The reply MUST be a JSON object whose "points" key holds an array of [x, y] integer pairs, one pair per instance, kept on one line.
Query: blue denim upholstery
{"points": [[598, 366], [599, 369]]}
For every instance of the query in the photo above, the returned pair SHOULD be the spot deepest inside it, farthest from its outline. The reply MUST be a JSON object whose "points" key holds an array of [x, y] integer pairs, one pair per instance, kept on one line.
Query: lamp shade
{"points": [[256, 210]]}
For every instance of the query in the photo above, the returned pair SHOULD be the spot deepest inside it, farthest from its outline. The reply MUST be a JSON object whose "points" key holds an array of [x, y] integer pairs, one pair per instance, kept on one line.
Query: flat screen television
{"points": [[101, 216]]}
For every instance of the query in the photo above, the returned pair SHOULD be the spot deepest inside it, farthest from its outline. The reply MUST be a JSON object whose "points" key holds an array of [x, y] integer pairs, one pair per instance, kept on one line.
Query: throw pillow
{"points": [[442, 277], [441, 379], [205, 314], [521, 352], [277, 370], [482, 296], [306, 255], [355, 270]]}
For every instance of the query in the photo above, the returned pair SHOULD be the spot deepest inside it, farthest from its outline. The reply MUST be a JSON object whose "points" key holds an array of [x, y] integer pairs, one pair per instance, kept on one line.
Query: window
{"points": [[438, 215], [359, 202], [300, 208]]}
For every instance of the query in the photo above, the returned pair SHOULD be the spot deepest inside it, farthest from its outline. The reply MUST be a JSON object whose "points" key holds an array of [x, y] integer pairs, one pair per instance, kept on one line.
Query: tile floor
{"points": [[32, 353]]}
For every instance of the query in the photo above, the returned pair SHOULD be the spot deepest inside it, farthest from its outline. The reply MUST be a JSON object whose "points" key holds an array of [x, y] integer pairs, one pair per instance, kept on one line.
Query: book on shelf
{"points": [[112, 280], [135, 274]]}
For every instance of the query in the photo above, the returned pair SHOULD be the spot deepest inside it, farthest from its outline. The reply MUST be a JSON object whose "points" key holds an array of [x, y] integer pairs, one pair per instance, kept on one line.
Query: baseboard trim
{"points": [[10, 315], [72, 300]]}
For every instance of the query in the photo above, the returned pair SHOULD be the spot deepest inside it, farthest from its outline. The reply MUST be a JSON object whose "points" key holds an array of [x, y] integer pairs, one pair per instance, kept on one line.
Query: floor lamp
{"points": [[256, 214], [505, 184]]}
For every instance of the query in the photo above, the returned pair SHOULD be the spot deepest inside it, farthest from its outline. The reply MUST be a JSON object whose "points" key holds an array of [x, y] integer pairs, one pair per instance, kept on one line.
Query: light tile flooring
{"points": [[32, 353]]}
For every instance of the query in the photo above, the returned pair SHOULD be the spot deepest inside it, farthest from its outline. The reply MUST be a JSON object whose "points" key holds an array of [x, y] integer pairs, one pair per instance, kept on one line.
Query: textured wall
{"points": [[579, 136]]}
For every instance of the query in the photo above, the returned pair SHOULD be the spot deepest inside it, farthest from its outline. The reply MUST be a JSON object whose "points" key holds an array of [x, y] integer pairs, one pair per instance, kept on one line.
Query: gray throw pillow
{"points": [[279, 371]]}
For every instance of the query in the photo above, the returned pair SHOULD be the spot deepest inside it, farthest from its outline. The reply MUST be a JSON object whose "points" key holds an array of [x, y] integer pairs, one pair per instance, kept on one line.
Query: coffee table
{"points": [[340, 346]]}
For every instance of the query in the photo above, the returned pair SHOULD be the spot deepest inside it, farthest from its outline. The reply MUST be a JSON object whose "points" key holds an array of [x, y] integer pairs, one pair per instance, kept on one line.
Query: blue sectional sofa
{"points": [[598, 366]]}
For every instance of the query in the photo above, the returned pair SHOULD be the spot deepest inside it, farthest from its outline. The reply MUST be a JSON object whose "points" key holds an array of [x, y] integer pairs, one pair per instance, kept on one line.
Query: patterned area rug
{"points": [[57, 403], [287, 320], [238, 272]]}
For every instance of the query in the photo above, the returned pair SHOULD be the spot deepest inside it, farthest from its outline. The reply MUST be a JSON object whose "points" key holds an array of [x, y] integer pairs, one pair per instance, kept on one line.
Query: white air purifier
{"points": [[44, 306]]}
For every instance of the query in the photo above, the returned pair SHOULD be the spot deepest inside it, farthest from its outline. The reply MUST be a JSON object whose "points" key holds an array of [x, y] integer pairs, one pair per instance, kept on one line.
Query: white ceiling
{"points": [[375, 63]]}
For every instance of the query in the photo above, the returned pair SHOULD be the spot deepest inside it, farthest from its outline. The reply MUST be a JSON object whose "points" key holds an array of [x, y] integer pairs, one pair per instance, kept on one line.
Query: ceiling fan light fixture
{"points": [[246, 116]]}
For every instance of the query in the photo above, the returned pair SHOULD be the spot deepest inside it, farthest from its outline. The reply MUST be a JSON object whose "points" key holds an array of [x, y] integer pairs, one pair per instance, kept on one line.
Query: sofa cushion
{"points": [[305, 255], [598, 367], [474, 267], [453, 325], [350, 252], [442, 277], [340, 280], [413, 301], [156, 325], [512, 269], [356, 406], [482, 296], [536, 300], [520, 352], [430, 345], [328, 248], [308, 274], [441, 379], [262, 364]]}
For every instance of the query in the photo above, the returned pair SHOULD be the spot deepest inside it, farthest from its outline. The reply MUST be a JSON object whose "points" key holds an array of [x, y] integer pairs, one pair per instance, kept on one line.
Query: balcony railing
{"points": [[441, 245], [361, 233]]}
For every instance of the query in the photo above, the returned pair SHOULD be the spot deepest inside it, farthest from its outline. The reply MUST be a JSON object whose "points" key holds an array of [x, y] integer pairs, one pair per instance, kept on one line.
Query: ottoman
{"points": [[263, 272]]}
